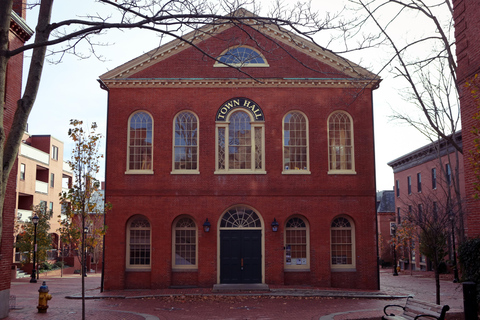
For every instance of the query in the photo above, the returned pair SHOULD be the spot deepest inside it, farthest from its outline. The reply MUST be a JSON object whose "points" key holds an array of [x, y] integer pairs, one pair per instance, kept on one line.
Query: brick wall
{"points": [[467, 34], [13, 93]]}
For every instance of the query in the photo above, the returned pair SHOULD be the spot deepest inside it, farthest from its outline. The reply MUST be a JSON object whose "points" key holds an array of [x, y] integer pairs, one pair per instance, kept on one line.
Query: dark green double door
{"points": [[240, 256]]}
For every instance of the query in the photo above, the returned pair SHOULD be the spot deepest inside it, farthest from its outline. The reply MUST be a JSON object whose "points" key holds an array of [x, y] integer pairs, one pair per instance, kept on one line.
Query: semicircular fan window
{"points": [[241, 56]]}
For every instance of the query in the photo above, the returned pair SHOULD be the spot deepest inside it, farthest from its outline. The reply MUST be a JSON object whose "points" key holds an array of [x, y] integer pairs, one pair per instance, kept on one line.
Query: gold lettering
{"points": [[237, 102]]}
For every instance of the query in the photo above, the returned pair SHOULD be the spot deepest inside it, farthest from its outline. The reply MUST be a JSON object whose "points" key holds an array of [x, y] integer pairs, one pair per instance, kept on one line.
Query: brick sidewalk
{"points": [[281, 302]]}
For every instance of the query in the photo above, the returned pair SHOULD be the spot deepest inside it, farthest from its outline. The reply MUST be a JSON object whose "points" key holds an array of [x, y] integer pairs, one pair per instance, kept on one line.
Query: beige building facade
{"points": [[42, 176]]}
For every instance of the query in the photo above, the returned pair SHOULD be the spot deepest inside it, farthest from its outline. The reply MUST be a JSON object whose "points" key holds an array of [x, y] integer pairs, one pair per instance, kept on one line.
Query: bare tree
{"points": [[425, 62], [431, 218], [172, 19]]}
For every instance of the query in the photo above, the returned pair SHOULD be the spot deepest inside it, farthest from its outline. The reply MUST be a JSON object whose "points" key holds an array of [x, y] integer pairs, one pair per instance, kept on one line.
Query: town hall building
{"points": [[246, 158]]}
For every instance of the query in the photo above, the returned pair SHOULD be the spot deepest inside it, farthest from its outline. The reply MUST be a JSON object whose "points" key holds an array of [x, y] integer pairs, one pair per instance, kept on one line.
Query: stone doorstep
{"points": [[226, 287]]}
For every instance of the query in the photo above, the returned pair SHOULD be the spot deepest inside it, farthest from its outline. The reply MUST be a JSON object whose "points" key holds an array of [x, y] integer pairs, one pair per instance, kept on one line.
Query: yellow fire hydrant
{"points": [[43, 297]]}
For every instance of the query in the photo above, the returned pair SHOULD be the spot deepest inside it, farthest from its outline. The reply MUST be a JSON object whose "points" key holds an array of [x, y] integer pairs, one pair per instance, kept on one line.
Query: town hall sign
{"points": [[239, 103]]}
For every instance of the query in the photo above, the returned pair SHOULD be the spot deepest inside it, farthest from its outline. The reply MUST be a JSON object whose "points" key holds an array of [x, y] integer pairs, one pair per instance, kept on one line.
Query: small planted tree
{"points": [[27, 231], [79, 202], [432, 220]]}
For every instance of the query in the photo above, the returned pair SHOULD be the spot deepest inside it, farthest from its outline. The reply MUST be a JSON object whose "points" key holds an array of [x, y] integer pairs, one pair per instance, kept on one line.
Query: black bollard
{"points": [[470, 300]]}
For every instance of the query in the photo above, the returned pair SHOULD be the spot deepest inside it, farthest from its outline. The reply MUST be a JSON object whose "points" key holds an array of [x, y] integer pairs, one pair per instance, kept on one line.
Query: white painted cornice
{"points": [[228, 83]]}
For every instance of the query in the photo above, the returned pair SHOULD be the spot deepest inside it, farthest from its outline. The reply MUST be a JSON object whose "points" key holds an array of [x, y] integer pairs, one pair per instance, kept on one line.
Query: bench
{"points": [[417, 309]]}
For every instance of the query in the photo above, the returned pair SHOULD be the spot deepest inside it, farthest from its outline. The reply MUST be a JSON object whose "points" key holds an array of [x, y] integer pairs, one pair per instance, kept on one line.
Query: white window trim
{"points": [[136, 171], [290, 171], [219, 64], [129, 267], [352, 127], [185, 171], [225, 125], [295, 267], [344, 267], [176, 267]]}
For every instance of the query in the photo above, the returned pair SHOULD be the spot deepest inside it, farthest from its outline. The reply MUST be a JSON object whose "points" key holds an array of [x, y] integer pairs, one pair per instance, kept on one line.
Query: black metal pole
{"points": [[395, 273], [34, 273], [455, 270], [103, 247]]}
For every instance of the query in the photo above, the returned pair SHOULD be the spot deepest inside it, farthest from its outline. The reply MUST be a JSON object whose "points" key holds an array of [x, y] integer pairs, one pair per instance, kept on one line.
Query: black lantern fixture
{"points": [[393, 229], [274, 225], [206, 226], [35, 220]]}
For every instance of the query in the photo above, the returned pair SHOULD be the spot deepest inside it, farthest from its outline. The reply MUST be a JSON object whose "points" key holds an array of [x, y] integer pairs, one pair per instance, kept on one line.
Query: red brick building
{"points": [[424, 179], [18, 35], [286, 139], [467, 34]]}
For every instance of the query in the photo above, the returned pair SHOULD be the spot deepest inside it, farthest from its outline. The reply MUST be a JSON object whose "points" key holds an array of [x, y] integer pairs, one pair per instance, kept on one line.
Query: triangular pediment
{"points": [[292, 58]]}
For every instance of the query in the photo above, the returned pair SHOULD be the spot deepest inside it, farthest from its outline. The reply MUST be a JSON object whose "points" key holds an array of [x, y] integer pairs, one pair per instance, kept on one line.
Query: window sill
{"points": [[287, 172], [239, 172], [334, 269], [185, 172], [139, 172], [241, 65], [138, 270], [296, 270], [343, 172], [184, 270]]}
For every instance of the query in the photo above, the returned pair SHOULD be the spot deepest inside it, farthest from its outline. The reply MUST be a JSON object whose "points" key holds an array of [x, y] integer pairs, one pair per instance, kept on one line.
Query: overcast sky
{"points": [[70, 90]]}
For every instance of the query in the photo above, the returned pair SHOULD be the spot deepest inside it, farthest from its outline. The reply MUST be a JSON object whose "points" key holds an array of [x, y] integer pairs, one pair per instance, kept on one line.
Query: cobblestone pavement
{"points": [[280, 302]]}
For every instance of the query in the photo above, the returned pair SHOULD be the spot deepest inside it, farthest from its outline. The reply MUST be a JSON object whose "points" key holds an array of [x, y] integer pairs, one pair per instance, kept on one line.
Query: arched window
{"points": [[140, 142], [138, 243], [297, 244], [295, 143], [240, 217], [185, 243], [185, 143], [241, 57], [340, 143], [343, 243], [240, 144]]}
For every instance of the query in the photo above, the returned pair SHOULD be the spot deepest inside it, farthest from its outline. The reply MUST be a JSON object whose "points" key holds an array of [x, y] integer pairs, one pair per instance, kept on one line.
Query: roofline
{"points": [[425, 154], [205, 32]]}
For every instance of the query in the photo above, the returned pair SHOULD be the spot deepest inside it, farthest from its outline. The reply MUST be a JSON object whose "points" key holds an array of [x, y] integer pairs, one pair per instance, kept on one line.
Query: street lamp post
{"points": [[85, 231], [35, 219], [393, 228], [455, 270]]}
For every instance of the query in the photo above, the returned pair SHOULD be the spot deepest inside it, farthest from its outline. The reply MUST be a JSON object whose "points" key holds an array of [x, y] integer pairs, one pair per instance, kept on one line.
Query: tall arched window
{"points": [[185, 143], [185, 243], [138, 243], [297, 244], [295, 143], [140, 142], [240, 144], [342, 243], [340, 143]]}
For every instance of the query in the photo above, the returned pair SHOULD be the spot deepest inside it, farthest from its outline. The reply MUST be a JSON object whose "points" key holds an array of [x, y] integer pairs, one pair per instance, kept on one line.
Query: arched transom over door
{"points": [[241, 246]]}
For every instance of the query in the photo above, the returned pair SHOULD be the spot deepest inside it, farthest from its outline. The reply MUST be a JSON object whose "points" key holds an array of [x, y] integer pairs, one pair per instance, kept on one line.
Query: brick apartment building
{"points": [[42, 175], [193, 143], [467, 34], [19, 33], [424, 178]]}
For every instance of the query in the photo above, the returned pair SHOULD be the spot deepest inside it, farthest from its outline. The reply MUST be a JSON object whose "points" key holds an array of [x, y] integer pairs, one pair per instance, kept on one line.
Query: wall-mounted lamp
{"points": [[206, 226], [274, 225]]}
